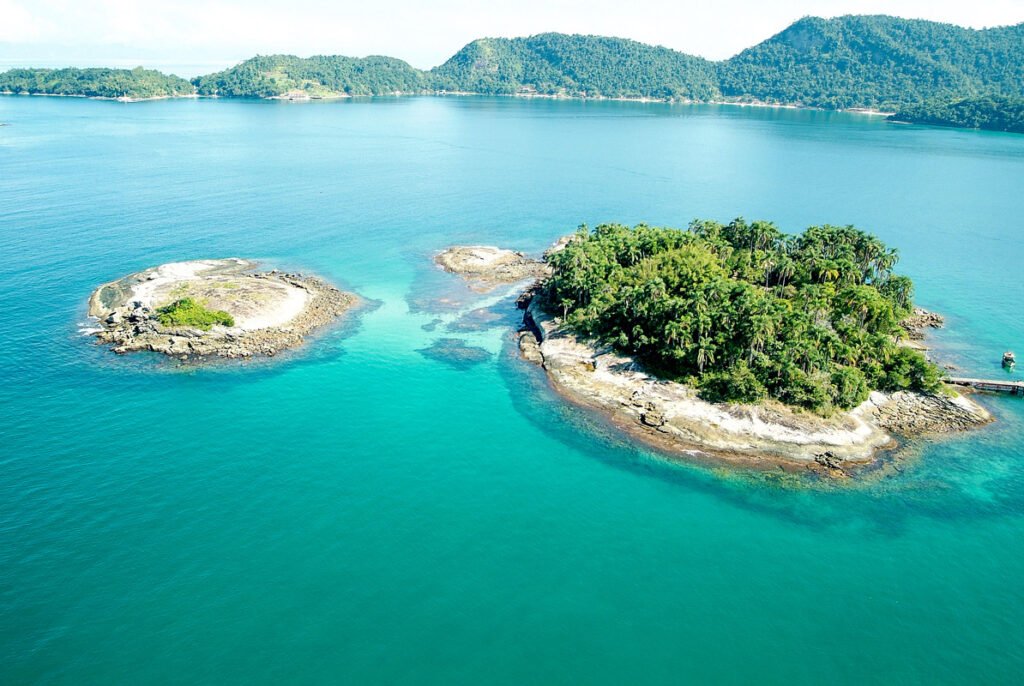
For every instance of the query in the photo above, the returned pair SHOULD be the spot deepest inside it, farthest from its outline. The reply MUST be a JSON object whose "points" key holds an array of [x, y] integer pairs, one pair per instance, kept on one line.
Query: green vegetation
{"points": [[319, 76], [993, 112], [854, 61], [98, 82], [188, 312], [548, 64], [876, 61], [929, 71], [554, 63], [743, 311]]}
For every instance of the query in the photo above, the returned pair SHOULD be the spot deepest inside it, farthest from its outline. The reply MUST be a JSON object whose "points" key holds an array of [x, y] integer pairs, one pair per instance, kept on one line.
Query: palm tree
{"points": [[786, 270], [705, 354], [676, 330], [885, 262]]}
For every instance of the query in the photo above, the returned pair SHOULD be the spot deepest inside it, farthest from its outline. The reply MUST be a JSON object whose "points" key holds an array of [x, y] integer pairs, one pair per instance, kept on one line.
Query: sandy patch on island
{"points": [[255, 303]]}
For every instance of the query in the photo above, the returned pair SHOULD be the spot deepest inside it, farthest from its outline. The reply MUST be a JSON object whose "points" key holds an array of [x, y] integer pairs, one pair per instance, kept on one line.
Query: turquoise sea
{"points": [[363, 513]]}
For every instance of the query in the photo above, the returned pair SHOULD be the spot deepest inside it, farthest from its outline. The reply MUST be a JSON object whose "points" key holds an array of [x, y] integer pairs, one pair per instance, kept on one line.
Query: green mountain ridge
{"points": [[876, 61], [853, 61], [555, 64]]}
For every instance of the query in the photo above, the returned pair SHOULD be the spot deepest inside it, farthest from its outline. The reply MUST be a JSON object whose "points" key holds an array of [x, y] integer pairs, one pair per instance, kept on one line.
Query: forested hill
{"points": [[554, 63], [278, 75], [853, 61], [95, 83], [877, 61], [551, 64]]}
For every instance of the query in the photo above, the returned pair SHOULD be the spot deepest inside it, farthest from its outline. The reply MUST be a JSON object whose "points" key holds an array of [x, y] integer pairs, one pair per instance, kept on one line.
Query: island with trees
{"points": [[129, 84], [739, 342], [277, 76]]}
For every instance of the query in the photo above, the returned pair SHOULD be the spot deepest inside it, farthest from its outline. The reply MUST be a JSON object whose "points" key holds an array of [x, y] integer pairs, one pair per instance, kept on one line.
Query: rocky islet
{"points": [[273, 310]]}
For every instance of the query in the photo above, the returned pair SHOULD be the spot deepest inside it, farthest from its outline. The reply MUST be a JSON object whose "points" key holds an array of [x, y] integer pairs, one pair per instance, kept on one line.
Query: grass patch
{"points": [[181, 289], [188, 312]]}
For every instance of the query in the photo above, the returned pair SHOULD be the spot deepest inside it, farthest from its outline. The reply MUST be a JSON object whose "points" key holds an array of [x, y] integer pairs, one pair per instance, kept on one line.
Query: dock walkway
{"points": [[996, 386]]}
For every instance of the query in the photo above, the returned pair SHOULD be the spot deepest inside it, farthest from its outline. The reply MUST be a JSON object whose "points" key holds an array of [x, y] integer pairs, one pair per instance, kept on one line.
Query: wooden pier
{"points": [[995, 386]]}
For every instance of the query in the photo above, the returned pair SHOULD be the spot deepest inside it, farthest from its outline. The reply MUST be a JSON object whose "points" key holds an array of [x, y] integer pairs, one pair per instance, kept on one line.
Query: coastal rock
{"points": [[272, 311], [920, 320], [487, 267], [916, 414], [529, 346], [672, 418]]}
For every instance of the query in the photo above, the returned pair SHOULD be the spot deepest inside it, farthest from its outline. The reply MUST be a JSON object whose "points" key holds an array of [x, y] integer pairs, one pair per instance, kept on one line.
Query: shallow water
{"points": [[362, 512]]}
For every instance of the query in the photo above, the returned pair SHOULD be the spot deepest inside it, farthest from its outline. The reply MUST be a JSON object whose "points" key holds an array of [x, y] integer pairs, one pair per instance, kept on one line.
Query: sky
{"points": [[199, 34]]}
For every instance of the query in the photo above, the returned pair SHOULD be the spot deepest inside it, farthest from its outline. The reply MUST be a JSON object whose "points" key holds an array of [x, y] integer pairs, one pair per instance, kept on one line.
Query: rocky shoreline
{"points": [[274, 310], [671, 418], [920, 320]]}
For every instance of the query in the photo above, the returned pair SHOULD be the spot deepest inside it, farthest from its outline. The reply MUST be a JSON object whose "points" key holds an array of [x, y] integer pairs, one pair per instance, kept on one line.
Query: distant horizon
{"points": [[123, 58], [189, 36]]}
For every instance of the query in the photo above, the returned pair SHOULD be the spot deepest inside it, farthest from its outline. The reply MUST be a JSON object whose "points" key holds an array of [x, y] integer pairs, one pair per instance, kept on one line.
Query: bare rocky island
{"points": [[486, 267], [672, 417], [214, 308]]}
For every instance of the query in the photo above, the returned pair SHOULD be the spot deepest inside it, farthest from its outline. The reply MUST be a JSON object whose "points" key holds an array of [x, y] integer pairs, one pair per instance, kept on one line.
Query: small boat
{"points": [[1009, 360]]}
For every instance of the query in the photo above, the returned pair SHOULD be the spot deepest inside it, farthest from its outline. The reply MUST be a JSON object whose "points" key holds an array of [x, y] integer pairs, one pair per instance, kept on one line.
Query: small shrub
{"points": [[188, 312]]}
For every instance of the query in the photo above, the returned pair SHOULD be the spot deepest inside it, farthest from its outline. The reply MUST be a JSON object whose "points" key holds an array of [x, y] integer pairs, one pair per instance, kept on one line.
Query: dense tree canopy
{"points": [[877, 61], [992, 112], [96, 82], [744, 311], [963, 77], [554, 63], [275, 75]]}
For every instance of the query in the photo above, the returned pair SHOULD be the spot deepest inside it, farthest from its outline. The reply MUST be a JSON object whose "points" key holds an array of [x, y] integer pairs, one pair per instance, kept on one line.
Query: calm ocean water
{"points": [[363, 513]]}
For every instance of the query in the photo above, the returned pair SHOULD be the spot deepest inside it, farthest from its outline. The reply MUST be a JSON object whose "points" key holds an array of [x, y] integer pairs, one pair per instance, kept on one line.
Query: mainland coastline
{"points": [[908, 80]]}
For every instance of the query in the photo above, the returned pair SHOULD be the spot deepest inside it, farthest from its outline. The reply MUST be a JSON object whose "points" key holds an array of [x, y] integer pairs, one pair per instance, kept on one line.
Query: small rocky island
{"points": [[214, 308], [737, 343], [486, 267]]}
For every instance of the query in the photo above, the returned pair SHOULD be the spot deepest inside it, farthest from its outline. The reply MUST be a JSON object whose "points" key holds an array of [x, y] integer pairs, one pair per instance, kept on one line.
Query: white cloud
{"points": [[19, 25]]}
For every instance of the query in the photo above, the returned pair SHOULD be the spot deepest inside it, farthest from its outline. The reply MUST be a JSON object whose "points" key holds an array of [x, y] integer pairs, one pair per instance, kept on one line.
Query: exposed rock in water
{"points": [[920, 320], [432, 324], [455, 353], [487, 267], [483, 318], [672, 418], [529, 346], [272, 311]]}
